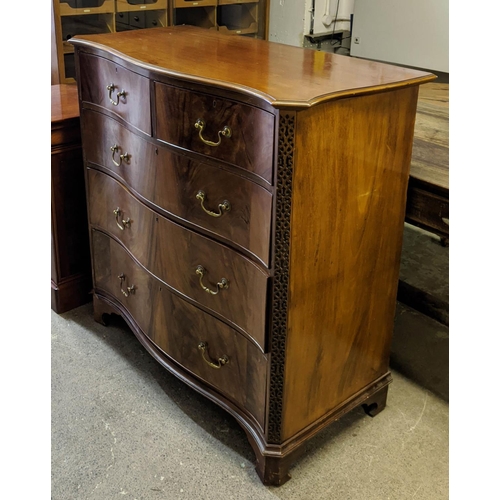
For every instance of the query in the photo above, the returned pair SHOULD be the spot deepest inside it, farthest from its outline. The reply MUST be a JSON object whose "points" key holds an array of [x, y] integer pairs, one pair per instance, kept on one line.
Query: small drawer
{"points": [[116, 89], [226, 130], [138, 19], [153, 19], [210, 273], [216, 200], [122, 18], [203, 345]]}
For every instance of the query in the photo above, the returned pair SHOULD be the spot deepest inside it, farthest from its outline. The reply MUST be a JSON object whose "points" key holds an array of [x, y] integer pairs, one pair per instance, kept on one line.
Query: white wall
{"points": [[289, 20], [286, 21], [409, 32]]}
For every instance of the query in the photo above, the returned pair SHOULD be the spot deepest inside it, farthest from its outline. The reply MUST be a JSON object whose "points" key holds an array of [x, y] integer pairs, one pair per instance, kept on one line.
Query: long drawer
{"points": [[206, 347], [114, 88], [212, 198], [198, 267], [230, 131]]}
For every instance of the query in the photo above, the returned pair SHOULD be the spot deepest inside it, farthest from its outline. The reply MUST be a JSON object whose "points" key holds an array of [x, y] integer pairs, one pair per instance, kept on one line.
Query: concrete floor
{"points": [[122, 427]]}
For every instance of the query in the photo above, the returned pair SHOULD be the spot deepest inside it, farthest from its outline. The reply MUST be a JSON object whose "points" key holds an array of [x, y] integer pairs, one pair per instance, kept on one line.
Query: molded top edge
{"points": [[282, 75]]}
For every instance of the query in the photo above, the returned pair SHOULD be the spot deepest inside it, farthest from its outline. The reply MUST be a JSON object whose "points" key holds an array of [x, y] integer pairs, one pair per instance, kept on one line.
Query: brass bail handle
{"points": [[225, 206], [223, 283], [110, 88], [200, 125], [126, 222], [122, 157], [130, 289], [223, 360]]}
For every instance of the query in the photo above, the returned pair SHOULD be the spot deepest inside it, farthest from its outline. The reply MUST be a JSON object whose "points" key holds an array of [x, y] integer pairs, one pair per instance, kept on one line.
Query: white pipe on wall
{"points": [[322, 23], [328, 18], [290, 20]]}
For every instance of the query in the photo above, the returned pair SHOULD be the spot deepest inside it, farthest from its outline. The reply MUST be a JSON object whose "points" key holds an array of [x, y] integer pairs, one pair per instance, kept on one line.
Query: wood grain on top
{"points": [[64, 103], [283, 75]]}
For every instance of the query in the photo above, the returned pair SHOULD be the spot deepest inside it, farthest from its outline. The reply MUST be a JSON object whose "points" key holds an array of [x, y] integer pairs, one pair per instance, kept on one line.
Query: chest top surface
{"points": [[282, 75]]}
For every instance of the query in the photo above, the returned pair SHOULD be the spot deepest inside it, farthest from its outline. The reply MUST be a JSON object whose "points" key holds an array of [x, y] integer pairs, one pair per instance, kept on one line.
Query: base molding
{"points": [[70, 293], [273, 461]]}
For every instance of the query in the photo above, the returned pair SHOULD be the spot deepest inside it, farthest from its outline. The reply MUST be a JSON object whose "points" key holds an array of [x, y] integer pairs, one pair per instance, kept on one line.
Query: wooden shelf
{"points": [[81, 17], [68, 48], [86, 25], [180, 4], [125, 6], [204, 17], [66, 8], [238, 19], [233, 2], [235, 30]]}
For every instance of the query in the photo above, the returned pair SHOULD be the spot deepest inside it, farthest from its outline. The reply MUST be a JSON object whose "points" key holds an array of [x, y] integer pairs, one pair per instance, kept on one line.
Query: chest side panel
{"points": [[351, 170]]}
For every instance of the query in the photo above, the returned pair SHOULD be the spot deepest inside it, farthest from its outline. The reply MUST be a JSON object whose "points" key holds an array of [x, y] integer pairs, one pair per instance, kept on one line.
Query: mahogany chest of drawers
{"points": [[246, 204]]}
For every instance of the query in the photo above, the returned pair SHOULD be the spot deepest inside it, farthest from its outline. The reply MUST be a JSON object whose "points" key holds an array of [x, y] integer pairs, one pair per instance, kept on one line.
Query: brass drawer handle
{"points": [[126, 222], [223, 360], [225, 206], [124, 156], [200, 125], [222, 284], [130, 289], [111, 87]]}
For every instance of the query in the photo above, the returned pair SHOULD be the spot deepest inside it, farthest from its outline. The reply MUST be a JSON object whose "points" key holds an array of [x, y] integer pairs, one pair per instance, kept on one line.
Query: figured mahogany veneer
{"points": [[147, 234], [98, 74], [178, 327], [252, 130], [315, 168], [172, 181]]}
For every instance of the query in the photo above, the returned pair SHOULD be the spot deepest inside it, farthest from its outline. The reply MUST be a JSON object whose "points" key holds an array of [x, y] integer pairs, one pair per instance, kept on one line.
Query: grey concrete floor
{"points": [[122, 427]]}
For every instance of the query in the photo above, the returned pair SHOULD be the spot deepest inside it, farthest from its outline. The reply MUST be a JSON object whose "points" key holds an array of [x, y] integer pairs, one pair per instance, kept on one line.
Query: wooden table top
{"points": [[64, 103], [283, 75], [430, 157]]}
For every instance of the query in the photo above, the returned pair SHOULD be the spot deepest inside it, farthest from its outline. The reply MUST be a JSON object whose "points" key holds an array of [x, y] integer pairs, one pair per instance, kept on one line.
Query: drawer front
{"points": [[178, 328], [174, 254], [111, 145], [138, 19], [116, 273], [249, 144], [238, 209], [101, 82]]}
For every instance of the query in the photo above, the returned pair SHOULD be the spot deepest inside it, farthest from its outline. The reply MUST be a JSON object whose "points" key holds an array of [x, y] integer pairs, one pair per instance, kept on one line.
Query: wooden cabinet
{"points": [[73, 17], [246, 219], [80, 17], [71, 282], [231, 17]]}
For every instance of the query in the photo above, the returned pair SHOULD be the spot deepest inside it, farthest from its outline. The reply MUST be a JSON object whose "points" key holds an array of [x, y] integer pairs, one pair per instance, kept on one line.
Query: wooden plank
{"points": [[428, 190]]}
